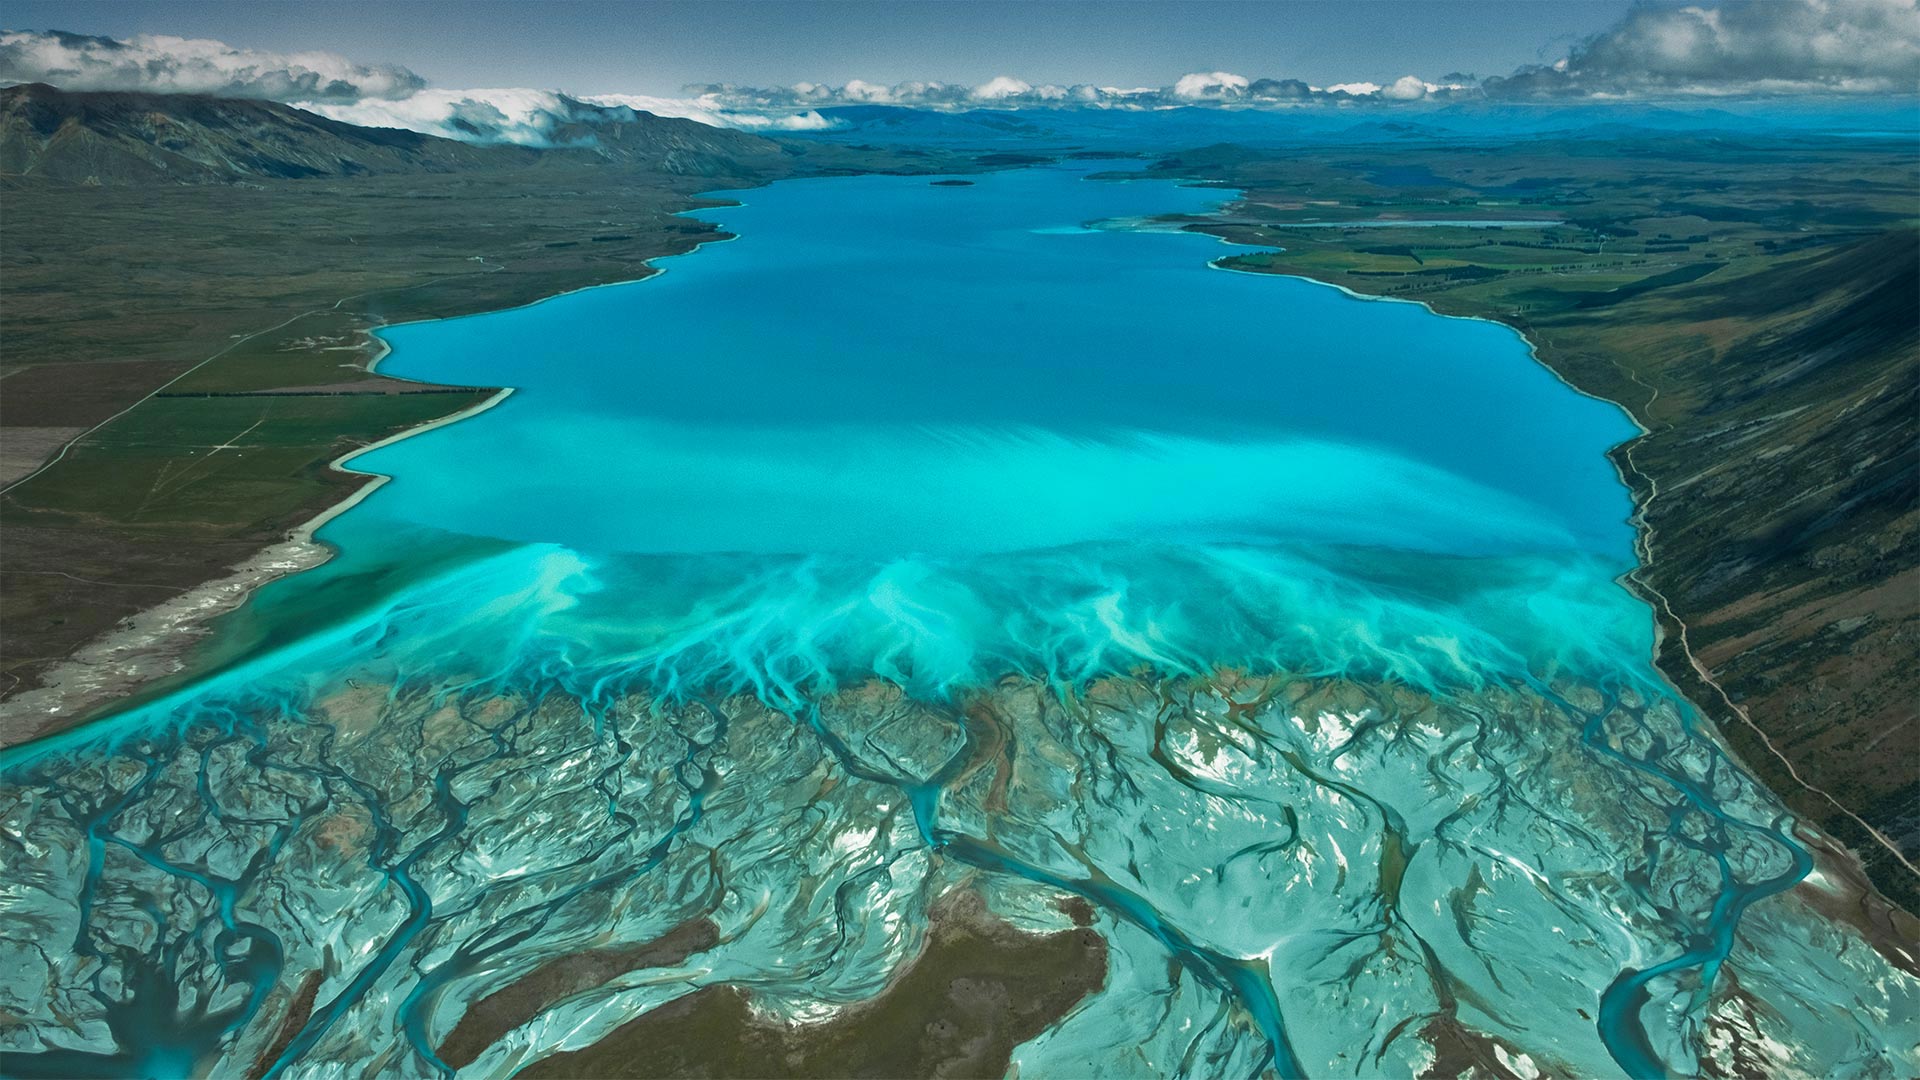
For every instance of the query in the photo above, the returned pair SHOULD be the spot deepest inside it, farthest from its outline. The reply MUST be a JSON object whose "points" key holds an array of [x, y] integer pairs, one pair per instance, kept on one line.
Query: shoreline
{"points": [[157, 642], [1620, 456], [154, 644], [164, 635]]}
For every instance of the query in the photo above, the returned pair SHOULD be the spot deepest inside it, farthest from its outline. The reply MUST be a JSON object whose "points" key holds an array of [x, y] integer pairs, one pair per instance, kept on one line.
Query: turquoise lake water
{"points": [[603, 659], [889, 367], [943, 433]]}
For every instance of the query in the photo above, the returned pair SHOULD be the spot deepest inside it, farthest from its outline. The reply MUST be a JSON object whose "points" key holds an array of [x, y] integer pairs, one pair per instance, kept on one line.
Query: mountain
{"points": [[664, 143], [127, 138], [65, 137], [1108, 129], [934, 125]]}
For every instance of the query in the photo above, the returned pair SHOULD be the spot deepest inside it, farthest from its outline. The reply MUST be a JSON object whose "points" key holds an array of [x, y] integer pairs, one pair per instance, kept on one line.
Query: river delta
{"points": [[1236, 669]]}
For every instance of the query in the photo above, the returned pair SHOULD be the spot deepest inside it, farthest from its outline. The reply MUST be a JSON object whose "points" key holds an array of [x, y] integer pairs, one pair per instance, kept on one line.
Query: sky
{"points": [[659, 47], [517, 70]]}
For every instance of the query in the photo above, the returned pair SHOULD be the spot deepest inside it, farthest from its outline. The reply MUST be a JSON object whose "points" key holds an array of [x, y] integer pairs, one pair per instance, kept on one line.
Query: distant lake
{"points": [[1375, 223]]}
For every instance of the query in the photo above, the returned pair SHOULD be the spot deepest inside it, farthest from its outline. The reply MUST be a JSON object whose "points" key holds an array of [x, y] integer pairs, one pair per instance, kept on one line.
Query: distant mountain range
{"points": [[55, 136], [1184, 128]]}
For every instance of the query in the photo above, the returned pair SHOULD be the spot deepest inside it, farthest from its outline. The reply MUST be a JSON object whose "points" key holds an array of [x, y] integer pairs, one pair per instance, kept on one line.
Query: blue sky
{"points": [[657, 47]]}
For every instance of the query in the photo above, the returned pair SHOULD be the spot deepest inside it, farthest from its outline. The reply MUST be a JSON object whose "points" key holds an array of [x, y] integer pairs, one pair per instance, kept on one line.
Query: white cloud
{"points": [[1407, 88], [712, 112], [504, 115], [860, 90], [1001, 88], [1733, 47], [1741, 47], [533, 117], [1210, 86], [1216, 89], [373, 96], [175, 65]]}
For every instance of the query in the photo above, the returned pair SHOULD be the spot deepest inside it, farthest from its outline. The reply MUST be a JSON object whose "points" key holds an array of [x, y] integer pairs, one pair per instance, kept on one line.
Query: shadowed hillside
{"points": [[117, 138], [1786, 534], [1756, 305], [124, 138]]}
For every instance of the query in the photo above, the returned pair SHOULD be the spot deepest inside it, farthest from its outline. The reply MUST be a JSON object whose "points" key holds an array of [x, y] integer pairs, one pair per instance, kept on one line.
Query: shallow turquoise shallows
{"points": [[887, 367], [942, 433]]}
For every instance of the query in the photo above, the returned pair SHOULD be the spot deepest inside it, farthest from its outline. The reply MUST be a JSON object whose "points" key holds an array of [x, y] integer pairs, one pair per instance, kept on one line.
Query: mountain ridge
{"points": [[54, 136]]}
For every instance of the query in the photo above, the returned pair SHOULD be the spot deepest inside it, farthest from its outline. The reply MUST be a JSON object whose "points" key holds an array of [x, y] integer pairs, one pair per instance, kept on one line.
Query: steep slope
{"points": [[120, 138], [1755, 303], [661, 143], [51, 135], [1788, 526]]}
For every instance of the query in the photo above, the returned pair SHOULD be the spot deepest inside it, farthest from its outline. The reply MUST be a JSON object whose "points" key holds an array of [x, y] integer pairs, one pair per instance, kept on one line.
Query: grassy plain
{"points": [[230, 324]]}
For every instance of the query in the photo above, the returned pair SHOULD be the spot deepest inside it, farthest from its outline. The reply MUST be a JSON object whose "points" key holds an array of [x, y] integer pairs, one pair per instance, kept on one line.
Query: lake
{"points": [[952, 432], [935, 539]]}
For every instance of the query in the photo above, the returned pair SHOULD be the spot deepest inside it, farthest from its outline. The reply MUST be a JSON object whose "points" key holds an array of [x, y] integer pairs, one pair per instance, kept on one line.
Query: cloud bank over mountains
{"points": [[174, 65], [1739, 47], [529, 117], [338, 88], [1218, 88], [1735, 47]]}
